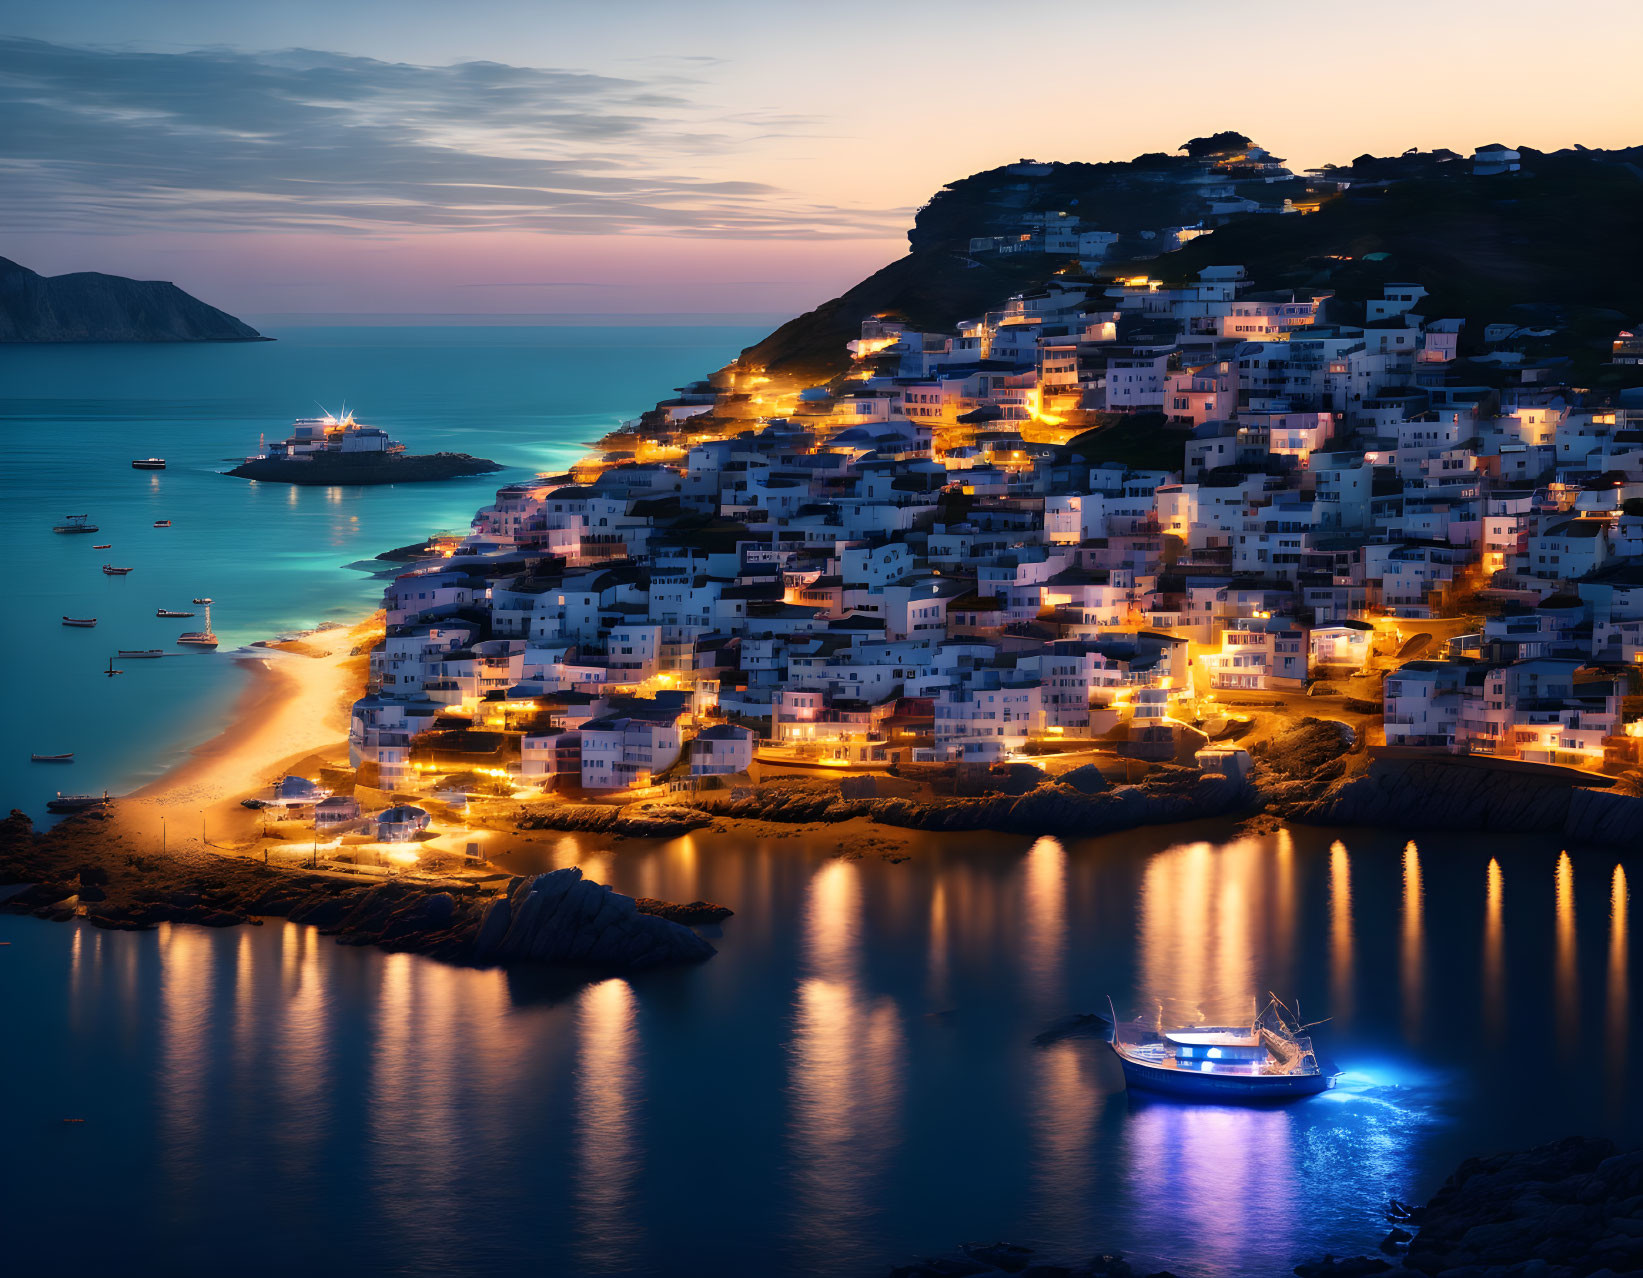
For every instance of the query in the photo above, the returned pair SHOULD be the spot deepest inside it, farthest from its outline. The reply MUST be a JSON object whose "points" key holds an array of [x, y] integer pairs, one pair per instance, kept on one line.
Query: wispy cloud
{"points": [[218, 139]]}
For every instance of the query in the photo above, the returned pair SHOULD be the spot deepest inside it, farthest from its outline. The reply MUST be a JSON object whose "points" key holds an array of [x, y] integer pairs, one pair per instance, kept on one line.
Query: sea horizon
{"points": [[515, 319]]}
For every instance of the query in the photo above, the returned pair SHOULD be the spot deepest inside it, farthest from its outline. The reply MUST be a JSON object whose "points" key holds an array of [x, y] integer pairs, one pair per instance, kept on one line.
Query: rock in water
{"points": [[1077, 1025], [563, 918]]}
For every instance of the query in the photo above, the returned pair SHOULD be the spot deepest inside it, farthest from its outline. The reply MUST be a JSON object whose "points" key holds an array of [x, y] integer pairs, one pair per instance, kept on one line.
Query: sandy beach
{"points": [[294, 709]]}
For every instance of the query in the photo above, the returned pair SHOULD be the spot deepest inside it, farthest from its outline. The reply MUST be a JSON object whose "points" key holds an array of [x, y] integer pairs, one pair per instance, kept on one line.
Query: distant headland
{"points": [[89, 307]]}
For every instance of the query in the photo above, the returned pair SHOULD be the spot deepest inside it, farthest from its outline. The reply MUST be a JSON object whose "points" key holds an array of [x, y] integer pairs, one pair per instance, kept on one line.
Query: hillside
{"points": [[89, 307], [1554, 243], [940, 282]]}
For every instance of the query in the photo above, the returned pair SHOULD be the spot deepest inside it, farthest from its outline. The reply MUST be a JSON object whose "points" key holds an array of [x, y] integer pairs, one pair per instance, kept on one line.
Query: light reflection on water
{"points": [[1568, 974], [1494, 953], [846, 1072], [1341, 970], [1414, 944], [1618, 1007], [851, 1080], [608, 1151]]}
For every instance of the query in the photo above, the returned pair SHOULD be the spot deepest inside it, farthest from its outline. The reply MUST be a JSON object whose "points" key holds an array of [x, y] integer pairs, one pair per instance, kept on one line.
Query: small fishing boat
{"points": [[200, 638], [80, 621], [105, 545], [111, 671], [1269, 1059], [111, 571], [148, 463], [205, 600], [74, 524], [162, 523], [139, 652], [171, 612], [52, 758], [77, 802]]}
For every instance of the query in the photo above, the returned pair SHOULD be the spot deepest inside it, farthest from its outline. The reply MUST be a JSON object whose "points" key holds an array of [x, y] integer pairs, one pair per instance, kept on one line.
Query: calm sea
{"points": [[273, 557], [851, 1081]]}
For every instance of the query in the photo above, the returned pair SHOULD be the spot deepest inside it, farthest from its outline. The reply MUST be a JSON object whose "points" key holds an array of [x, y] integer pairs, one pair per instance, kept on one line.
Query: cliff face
{"points": [[88, 307]]}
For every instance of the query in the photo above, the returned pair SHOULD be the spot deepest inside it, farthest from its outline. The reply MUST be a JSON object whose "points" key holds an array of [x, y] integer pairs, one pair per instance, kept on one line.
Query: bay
{"points": [[272, 556], [852, 1080]]}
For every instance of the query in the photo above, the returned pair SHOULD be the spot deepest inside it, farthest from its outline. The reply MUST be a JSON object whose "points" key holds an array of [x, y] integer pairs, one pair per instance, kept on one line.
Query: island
{"points": [[329, 450], [87, 306]]}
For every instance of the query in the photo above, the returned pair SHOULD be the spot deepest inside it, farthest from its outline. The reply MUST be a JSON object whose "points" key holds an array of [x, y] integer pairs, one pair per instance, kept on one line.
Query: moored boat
{"points": [[139, 652], [205, 600], [148, 463], [200, 638], [111, 671], [52, 758], [172, 612], [75, 524], [111, 571], [77, 802], [79, 621], [1270, 1059]]}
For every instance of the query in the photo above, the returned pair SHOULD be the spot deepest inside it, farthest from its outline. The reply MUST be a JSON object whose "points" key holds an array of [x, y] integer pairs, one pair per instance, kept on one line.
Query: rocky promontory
{"points": [[1066, 806], [90, 307], [329, 469], [1457, 793], [86, 868], [636, 821], [564, 918]]}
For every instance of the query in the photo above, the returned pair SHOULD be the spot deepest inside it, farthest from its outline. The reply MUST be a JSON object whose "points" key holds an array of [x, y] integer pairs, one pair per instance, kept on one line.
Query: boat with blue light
{"points": [[1269, 1059]]}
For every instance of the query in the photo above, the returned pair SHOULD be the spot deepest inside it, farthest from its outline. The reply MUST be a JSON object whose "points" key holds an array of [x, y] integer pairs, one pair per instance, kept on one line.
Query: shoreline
{"points": [[294, 707]]}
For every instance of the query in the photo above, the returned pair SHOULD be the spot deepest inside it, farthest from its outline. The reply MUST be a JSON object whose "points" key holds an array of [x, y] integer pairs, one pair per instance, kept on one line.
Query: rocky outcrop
{"points": [[1460, 794], [659, 821], [563, 918], [88, 307], [1168, 794], [86, 868], [690, 913], [363, 469], [1566, 1210]]}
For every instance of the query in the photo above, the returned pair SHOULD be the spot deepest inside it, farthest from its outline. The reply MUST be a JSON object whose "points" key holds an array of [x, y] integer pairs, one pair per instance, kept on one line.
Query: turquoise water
{"points": [[273, 557], [851, 1081]]}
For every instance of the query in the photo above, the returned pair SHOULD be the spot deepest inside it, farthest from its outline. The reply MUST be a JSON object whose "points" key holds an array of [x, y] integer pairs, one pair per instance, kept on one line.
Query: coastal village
{"points": [[1117, 521]]}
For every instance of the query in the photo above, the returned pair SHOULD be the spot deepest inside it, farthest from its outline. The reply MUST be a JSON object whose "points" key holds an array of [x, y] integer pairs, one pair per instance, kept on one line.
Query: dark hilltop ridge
{"points": [[1560, 231], [90, 307]]}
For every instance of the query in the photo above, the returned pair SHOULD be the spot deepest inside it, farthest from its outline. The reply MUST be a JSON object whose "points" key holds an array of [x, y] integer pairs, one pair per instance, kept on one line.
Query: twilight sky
{"points": [[624, 156]]}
